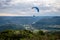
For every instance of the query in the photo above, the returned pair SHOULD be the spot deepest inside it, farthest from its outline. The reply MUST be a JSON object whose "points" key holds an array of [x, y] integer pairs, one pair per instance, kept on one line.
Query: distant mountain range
{"points": [[16, 22], [11, 26], [48, 23], [18, 19], [42, 22]]}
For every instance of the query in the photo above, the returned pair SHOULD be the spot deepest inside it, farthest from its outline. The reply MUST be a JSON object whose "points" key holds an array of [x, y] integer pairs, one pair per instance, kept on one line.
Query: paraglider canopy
{"points": [[36, 8]]}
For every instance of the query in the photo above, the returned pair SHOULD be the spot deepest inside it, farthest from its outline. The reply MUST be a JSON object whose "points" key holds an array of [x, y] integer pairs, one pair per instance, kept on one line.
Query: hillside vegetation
{"points": [[29, 35]]}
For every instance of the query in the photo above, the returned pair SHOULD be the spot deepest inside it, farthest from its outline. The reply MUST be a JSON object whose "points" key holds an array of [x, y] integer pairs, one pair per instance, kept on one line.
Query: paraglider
{"points": [[36, 8]]}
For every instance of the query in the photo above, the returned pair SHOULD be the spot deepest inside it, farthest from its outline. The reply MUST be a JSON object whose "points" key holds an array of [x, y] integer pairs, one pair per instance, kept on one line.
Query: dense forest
{"points": [[29, 35]]}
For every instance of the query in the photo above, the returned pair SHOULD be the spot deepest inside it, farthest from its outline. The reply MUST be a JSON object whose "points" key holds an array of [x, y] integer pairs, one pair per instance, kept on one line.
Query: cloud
{"points": [[24, 7], [4, 3]]}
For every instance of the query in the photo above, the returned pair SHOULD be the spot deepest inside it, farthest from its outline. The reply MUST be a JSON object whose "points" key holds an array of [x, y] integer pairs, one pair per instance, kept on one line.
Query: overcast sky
{"points": [[24, 7]]}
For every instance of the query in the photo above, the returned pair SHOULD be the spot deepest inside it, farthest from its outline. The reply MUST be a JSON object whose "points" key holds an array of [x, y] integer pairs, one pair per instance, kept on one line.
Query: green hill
{"points": [[29, 35]]}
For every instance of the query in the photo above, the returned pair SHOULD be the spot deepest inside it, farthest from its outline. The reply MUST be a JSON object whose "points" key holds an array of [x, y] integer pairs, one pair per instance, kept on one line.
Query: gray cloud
{"points": [[4, 4], [7, 6]]}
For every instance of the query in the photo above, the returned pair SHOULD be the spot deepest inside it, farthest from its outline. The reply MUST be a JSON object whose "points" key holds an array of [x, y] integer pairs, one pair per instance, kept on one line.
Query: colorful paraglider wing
{"points": [[36, 8]]}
